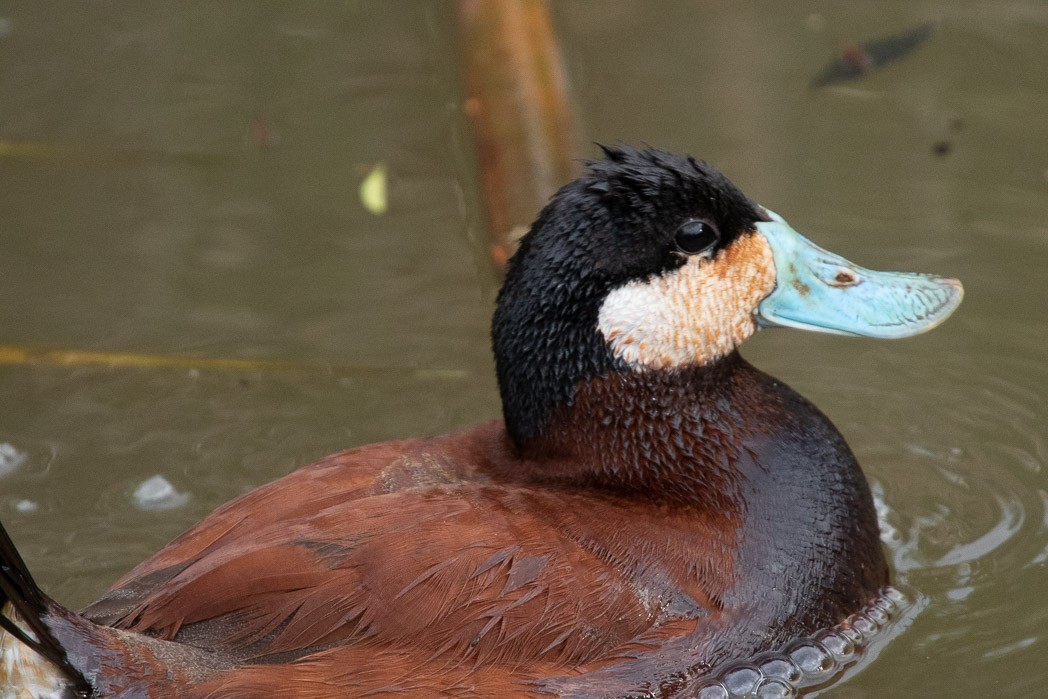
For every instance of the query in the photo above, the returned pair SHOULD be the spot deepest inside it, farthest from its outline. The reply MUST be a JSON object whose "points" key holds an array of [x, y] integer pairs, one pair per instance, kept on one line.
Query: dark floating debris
{"points": [[859, 59], [942, 148]]}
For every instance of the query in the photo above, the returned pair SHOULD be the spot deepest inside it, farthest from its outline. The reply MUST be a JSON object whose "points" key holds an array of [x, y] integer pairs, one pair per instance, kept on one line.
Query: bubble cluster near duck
{"points": [[650, 507]]}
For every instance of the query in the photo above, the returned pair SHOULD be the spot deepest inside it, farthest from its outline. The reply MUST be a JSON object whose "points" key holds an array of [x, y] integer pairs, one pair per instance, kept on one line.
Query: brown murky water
{"points": [[182, 180]]}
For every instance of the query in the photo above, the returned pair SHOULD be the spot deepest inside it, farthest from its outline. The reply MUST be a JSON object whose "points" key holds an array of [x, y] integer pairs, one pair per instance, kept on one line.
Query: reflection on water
{"points": [[202, 199], [961, 493]]}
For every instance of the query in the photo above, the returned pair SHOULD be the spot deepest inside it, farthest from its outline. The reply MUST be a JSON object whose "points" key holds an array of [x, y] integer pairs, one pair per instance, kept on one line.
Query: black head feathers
{"points": [[652, 183], [613, 225]]}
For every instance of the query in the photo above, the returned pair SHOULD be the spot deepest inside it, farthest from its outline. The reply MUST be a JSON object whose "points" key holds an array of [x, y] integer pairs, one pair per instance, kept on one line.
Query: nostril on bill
{"points": [[845, 277]]}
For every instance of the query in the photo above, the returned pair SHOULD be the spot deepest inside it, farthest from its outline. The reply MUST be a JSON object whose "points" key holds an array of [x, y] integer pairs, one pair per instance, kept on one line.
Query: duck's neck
{"points": [[674, 435], [768, 472]]}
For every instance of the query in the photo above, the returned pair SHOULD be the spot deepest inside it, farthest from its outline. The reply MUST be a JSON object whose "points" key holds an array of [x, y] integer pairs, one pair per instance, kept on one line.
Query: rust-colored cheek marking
{"points": [[694, 314]]}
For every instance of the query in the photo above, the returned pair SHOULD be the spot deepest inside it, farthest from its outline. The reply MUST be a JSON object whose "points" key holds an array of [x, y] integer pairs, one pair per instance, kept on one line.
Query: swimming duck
{"points": [[650, 506]]}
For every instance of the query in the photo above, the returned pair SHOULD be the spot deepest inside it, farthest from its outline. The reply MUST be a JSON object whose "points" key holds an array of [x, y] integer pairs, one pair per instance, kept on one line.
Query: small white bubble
{"points": [[781, 667], [713, 691], [741, 681], [812, 659], [774, 688], [26, 506], [838, 645], [877, 615], [885, 605], [894, 595], [864, 625], [156, 493], [10, 458], [852, 634]]}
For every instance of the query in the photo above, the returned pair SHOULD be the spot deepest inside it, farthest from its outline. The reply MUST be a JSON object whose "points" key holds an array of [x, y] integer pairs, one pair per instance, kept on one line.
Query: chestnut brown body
{"points": [[608, 564]]}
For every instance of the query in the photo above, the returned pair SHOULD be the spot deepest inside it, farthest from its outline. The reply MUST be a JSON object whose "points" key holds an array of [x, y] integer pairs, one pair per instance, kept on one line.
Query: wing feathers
{"points": [[461, 575]]}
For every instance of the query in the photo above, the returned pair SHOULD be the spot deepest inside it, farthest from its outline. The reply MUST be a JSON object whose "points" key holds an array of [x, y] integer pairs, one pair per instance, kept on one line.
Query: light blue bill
{"points": [[817, 290]]}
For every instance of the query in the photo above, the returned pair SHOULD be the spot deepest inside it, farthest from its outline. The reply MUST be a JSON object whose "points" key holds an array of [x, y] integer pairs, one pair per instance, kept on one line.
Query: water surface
{"points": [[195, 194]]}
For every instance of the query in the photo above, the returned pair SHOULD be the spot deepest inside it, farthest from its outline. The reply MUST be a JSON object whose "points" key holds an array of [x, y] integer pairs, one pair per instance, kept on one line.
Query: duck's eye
{"points": [[695, 237]]}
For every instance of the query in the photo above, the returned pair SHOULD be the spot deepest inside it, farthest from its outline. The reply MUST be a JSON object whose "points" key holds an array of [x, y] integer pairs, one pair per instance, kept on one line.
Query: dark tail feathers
{"points": [[33, 606]]}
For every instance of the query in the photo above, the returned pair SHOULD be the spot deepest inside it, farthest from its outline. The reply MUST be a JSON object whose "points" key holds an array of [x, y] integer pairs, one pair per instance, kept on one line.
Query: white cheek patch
{"points": [[694, 314]]}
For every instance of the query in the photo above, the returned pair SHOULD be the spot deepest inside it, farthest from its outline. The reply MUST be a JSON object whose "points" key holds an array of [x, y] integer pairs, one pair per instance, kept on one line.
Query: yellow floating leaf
{"points": [[373, 190]]}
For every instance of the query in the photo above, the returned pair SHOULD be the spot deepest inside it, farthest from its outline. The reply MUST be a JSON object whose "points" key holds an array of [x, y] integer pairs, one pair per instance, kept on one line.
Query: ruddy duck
{"points": [[650, 506]]}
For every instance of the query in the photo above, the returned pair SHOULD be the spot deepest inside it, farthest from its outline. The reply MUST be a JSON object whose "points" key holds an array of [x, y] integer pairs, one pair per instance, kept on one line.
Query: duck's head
{"points": [[654, 262]]}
